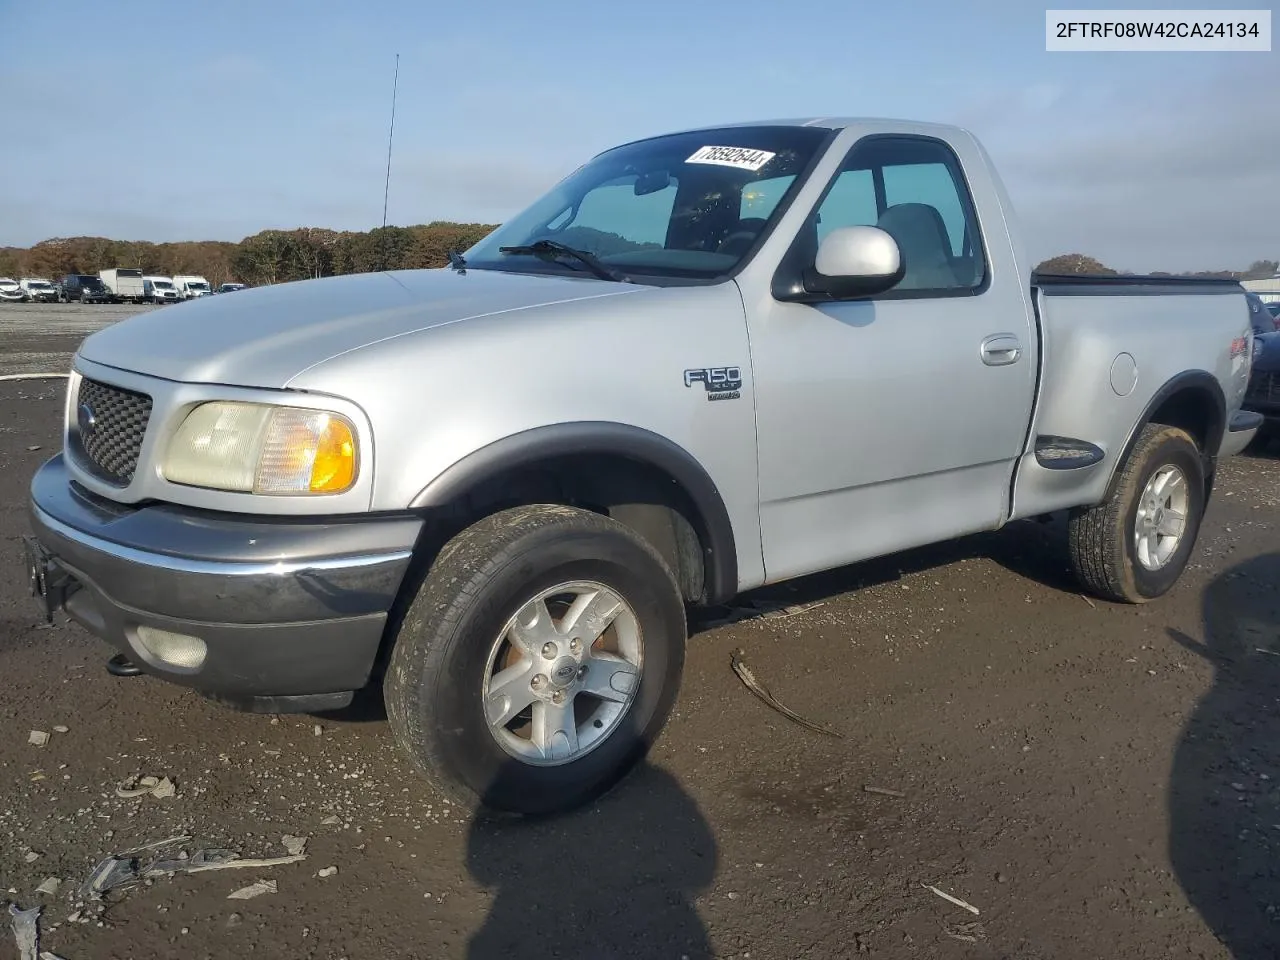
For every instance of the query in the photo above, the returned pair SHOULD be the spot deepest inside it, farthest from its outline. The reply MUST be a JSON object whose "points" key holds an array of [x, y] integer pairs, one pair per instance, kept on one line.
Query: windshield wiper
{"points": [[457, 261], [554, 249]]}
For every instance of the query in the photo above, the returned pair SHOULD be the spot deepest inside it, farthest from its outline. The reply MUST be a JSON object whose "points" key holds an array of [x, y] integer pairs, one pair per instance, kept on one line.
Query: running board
{"points": [[1066, 453]]}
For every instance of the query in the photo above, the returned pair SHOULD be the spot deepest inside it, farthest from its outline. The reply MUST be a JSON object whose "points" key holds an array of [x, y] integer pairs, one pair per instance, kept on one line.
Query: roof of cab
{"points": [[878, 124]]}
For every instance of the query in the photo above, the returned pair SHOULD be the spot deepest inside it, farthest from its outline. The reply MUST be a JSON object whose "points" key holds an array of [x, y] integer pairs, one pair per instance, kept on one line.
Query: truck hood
{"points": [[266, 336]]}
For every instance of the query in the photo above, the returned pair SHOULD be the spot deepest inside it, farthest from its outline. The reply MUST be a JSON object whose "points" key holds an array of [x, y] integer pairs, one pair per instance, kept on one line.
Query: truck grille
{"points": [[112, 422], [1264, 386]]}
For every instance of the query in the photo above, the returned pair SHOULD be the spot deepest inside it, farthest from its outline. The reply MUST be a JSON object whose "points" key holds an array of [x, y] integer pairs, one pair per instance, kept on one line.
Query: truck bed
{"points": [[1112, 349]]}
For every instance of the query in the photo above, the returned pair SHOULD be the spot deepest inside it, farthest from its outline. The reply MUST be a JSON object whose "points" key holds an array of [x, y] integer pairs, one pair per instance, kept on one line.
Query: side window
{"points": [[851, 203], [912, 188], [613, 219]]}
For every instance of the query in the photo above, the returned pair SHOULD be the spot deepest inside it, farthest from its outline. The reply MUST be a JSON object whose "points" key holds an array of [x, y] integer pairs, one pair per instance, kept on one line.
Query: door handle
{"points": [[1001, 349]]}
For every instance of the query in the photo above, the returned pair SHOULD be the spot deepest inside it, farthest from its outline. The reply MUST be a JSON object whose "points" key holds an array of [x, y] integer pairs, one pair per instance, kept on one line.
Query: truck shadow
{"points": [[616, 879], [1224, 792], [1035, 550]]}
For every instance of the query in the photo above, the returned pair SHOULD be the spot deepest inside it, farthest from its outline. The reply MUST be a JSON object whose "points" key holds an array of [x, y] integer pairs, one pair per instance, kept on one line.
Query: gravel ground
{"points": [[1097, 780]]}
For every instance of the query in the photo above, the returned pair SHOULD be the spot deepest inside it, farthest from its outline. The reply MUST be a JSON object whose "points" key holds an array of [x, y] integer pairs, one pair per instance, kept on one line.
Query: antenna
{"points": [[386, 192]]}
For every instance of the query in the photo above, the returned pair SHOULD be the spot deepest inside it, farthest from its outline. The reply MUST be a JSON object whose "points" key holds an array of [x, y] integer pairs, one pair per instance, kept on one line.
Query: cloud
{"points": [[1176, 173]]}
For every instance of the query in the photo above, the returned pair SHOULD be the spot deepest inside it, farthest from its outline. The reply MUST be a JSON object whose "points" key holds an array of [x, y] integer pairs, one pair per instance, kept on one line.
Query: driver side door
{"points": [[894, 420]]}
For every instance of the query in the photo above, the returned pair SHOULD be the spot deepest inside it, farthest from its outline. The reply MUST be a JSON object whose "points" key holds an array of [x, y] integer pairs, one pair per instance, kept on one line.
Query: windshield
{"points": [[689, 205], [128, 273], [162, 284], [39, 284], [8, 282]]}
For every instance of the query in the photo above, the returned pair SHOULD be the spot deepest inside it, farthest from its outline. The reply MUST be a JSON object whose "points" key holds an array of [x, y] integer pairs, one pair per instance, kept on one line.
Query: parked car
{"points": [[1261, 319], [764, 351], [85, 288], [11, 290], [125, 283], [1263, 395], [230, 287], [160, 289], [190, 287], [38, 290]]}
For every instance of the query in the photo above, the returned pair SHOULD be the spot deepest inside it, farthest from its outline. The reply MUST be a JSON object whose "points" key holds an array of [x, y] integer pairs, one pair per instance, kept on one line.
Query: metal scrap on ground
{"points": [[253, 890], [946, 896], [127, 870], [159, 787], [883, 790], [755, 686], [26, 930]]}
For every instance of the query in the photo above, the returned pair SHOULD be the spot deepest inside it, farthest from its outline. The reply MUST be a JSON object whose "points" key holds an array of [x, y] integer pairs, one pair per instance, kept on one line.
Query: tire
{"points": [[1107, 555], [441, 659]]}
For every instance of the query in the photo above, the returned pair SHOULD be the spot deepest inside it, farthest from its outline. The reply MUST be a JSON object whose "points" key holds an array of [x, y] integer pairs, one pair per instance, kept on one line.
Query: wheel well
{"points": [[1193, 410], [643, 497]]}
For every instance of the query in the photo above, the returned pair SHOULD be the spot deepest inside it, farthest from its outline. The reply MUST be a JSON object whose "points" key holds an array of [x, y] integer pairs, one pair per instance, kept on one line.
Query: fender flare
{"points": [[1199, 380], [528, 447]]}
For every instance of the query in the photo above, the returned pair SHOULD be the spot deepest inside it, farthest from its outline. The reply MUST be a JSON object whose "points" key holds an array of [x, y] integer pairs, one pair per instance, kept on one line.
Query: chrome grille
{"points": [[109, 424]]}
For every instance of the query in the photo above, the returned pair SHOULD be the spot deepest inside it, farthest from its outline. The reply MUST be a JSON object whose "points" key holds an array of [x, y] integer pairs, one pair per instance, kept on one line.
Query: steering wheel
{"points": [[747, 231]]}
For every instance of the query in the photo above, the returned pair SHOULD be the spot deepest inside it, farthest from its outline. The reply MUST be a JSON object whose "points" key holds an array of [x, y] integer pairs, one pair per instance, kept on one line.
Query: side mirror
{"points": [[855, 262]]}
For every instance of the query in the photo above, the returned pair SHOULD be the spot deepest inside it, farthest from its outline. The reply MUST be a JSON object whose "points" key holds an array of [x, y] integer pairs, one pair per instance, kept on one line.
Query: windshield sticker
{"points": [[744, 158]]}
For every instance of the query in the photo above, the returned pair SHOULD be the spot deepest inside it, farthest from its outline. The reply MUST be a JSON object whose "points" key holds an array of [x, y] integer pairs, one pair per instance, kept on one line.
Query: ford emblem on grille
{"points": [[85, 420]]}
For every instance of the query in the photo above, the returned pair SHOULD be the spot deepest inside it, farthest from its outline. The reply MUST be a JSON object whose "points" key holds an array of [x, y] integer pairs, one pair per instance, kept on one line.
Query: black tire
{"points": [[438, 663], [1101, 538]]}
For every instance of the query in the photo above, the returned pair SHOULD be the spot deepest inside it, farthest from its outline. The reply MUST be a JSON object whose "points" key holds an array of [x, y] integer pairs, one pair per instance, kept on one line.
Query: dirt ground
{"points": [[1097, 780]]}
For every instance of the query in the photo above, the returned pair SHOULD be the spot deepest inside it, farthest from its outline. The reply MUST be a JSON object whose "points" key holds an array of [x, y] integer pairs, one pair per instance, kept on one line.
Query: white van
{"points": [[37, 289], [189, 287], [160, 289]]}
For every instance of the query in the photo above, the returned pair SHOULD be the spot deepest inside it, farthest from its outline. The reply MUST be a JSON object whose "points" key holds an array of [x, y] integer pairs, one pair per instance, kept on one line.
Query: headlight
{"points": [[251, 447]]}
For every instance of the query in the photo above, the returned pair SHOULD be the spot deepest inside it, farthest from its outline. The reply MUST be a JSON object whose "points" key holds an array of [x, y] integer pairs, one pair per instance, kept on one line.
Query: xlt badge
{"points": [[720, 383]]}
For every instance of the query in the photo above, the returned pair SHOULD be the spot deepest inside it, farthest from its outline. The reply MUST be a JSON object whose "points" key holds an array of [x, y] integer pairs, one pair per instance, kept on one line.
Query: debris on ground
{"points": [[295, 845], [956, 900], [50, 886], [31, 856], [755, 686], [331, 820], [127, 869], [159, 787], [26, 930], [38, 738], [327, 872], [763, 609], [61, 729], [253, 890], [970, 932], [791, 611], [884, 791]]}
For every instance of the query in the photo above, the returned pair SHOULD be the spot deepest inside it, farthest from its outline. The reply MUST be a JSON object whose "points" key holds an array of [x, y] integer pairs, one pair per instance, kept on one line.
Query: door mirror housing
{"points": [[855, 262]]}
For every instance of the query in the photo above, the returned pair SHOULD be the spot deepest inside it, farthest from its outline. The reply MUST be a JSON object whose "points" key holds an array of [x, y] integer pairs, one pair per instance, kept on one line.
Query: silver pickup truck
{"points": [[702, 363]]}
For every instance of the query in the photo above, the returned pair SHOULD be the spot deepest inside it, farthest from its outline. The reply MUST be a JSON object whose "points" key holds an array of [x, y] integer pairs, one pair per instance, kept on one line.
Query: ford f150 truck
{"points": [[702, 363]]}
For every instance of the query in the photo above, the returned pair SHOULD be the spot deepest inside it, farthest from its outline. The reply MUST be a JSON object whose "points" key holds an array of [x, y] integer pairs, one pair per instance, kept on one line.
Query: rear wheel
{"points": [[538, 661], [1133, 546]]}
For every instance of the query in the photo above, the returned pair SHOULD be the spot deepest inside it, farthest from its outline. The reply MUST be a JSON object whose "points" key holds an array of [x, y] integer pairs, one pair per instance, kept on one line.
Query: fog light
{"points": [[173, 649]]}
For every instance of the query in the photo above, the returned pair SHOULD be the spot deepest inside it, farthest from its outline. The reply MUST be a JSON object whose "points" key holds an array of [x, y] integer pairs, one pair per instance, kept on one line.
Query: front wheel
{"points": [[538, 661], [1134, 545]]}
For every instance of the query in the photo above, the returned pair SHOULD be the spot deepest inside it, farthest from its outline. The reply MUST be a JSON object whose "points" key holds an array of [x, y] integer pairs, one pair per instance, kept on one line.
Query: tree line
{"points": [[278, 256], [271, 256]]}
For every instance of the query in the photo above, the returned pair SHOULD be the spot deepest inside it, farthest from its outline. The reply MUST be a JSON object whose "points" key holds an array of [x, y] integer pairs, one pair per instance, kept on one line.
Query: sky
{"points": [[212, 121]]}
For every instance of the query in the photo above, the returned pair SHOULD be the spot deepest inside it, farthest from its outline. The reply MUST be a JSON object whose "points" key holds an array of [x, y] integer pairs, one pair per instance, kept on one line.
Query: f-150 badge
{"points": [[720, 383]]}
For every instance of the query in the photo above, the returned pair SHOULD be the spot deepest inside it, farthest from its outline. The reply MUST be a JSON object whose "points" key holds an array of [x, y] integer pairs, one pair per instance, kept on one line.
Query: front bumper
{"points": [[291, 612]]}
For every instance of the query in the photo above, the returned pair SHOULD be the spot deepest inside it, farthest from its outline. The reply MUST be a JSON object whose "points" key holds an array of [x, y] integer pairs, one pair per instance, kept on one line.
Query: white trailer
{"points": [[125, 283]]}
